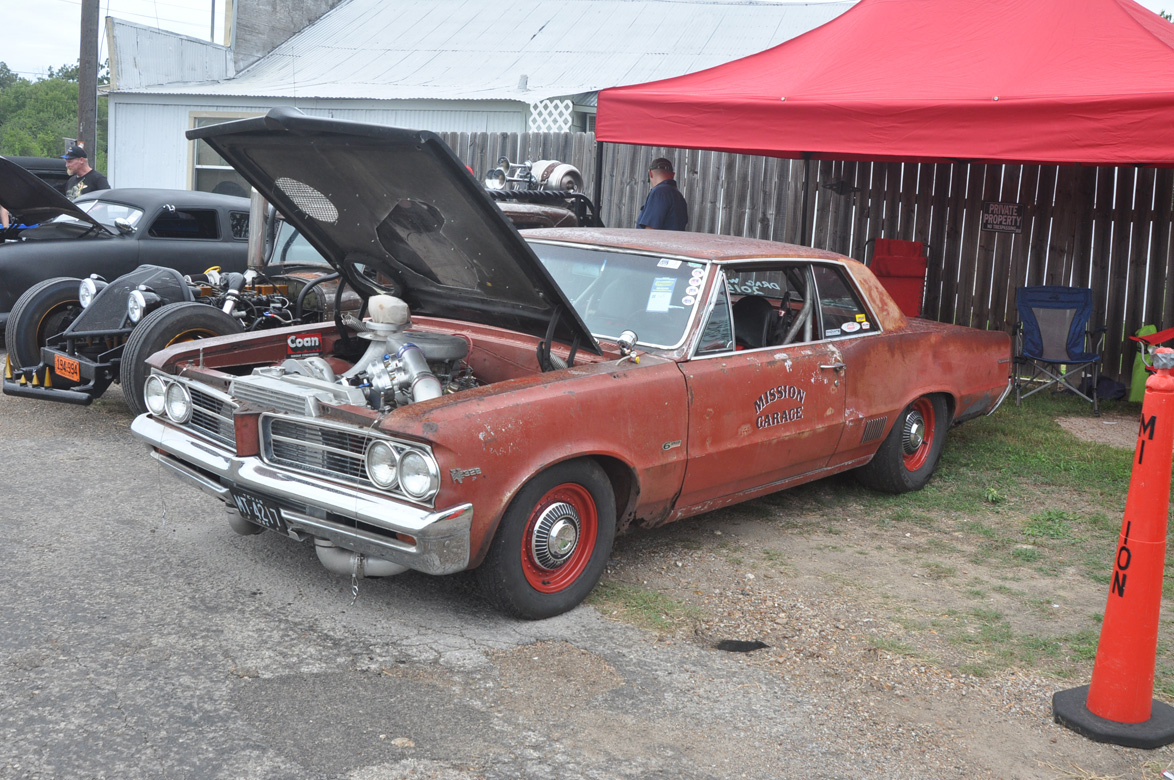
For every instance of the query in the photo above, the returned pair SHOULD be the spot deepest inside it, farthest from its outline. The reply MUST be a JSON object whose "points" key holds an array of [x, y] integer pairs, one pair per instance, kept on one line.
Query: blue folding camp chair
{"points": [[1051, 339]]}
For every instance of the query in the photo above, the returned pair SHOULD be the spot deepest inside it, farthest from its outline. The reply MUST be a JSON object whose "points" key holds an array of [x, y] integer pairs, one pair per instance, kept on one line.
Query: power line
{"points": [[156, 18]]}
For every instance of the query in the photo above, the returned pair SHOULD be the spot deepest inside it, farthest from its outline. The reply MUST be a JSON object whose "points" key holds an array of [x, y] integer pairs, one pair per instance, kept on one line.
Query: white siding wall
{"points": [[147, 147]]}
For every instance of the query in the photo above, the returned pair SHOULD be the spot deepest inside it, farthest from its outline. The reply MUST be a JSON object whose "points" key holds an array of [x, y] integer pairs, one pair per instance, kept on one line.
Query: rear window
{"points": [[238, 222], [186, 223]]}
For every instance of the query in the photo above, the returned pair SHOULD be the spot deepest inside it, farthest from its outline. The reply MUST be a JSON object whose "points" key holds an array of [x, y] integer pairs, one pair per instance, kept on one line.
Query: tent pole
{"points": [[805, 237], [598, 178]]}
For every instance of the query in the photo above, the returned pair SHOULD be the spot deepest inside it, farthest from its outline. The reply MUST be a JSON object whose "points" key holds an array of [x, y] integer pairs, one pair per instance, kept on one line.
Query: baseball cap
{"points": [[75, 152], [661, 164]]}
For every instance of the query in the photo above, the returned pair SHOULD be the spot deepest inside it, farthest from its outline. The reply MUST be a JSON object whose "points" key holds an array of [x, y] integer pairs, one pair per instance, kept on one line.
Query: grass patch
{"points": [[1052, 524], [894, 646], [642, 607]]}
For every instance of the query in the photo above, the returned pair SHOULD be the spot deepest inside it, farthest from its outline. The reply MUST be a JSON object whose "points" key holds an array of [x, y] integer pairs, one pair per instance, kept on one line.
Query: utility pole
{"points": [[87, 82]]}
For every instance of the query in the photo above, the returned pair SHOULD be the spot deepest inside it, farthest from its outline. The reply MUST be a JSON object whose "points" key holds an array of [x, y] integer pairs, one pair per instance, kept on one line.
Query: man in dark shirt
{"points": [[82, 177], [665, 207]]}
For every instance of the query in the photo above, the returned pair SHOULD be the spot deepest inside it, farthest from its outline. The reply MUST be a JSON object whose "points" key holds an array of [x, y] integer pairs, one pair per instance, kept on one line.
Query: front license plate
{"points": [[261, 511], [67, 367]]}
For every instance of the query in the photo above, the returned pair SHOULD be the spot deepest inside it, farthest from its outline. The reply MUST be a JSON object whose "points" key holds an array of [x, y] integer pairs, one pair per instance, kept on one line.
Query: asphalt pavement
{"points": [[141, 638]]}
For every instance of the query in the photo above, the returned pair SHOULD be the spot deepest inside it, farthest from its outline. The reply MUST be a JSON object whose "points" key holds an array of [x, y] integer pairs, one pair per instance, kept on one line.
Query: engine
{"points": [[397, 368]]}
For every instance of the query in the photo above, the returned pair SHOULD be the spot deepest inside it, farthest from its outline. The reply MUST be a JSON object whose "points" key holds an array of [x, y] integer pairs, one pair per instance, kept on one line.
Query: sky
{"points": [[45, 34]]}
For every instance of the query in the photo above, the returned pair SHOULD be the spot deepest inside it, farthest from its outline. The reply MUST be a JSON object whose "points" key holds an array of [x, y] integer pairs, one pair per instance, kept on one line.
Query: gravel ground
{"points": [[835, 635]]}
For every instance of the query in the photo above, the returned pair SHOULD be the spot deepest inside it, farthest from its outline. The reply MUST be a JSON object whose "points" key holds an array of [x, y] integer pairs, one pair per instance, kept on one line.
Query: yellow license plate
{"points": [[67, 367]]}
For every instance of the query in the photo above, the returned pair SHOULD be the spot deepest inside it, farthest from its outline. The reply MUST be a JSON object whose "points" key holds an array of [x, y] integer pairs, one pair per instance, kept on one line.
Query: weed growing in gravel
{"points": [[643, 607]]}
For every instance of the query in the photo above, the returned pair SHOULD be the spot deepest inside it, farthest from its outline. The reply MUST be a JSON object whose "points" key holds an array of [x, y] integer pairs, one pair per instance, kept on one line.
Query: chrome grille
{"points": [[324, 450], [337, 451], [269, 393], [307, 445], [212, 416]]}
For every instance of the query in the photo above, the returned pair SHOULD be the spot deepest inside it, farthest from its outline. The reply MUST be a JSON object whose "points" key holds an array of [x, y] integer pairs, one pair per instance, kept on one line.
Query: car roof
{"points": [[150, 198], [700, 246], [722, 250]]}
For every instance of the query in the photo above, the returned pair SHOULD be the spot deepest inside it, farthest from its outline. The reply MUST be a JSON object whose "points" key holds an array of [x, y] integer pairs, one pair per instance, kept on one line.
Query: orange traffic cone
{"points": [[1118, 706]]}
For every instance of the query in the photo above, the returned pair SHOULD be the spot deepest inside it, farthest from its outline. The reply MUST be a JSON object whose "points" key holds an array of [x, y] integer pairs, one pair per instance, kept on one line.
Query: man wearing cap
{"points": [[82, 178], [665, 207]]}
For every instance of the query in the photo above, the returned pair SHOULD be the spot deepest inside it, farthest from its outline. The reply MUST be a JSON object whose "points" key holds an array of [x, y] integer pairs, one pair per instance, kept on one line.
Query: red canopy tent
{"points": [[1028, 81]]}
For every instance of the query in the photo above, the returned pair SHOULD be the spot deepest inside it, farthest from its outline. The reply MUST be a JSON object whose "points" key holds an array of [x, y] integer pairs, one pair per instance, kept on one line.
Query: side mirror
{"points": [[124, 226]]}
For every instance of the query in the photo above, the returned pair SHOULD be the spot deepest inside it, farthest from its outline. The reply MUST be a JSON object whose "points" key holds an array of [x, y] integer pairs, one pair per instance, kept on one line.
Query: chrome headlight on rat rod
{"points": [[140, 303], [89, 288]]}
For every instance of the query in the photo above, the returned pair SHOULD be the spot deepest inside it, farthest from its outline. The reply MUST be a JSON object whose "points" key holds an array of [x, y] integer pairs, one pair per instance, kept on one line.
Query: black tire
{"points": [[44, 310], [909, 454], [526, 578], [161, 328]]}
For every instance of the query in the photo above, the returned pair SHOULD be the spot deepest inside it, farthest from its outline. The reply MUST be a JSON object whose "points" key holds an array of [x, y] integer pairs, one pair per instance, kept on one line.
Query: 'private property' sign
{"points": [[1002, 217]]}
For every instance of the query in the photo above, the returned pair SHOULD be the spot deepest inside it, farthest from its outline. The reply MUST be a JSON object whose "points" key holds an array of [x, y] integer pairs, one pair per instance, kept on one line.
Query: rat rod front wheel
{"points": [[45, 309], [909, 454], [553, 542], [171, 324]]}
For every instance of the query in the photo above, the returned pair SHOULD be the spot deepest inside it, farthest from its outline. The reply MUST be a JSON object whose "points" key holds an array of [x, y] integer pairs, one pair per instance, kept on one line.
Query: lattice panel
{"points": [[550, 116]]}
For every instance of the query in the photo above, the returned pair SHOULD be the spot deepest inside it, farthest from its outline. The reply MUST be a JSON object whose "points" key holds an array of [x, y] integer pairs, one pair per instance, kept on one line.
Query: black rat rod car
{"points": [[69, 339], [112, 232]]}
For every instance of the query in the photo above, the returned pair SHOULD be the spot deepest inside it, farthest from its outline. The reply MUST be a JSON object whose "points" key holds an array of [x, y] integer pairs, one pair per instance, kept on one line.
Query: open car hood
{"points": [[34, 200], [397, 212]]}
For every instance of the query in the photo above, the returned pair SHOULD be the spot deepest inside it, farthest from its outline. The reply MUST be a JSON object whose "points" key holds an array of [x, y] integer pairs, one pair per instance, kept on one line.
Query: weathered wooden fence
{"points": [[1104, 228]]}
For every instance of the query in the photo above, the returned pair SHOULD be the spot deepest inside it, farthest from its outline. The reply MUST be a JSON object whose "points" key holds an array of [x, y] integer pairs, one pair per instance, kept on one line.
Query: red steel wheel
{"points": [[559, 537], [906, 459], [917, 438], [552, 543]]}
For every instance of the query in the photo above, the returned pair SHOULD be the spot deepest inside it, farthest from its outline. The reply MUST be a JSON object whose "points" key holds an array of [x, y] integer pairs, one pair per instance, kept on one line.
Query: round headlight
{"points": [[418, 474], [177, 402], [155, 394], [382, 464], [88, 289], [136, 305]]}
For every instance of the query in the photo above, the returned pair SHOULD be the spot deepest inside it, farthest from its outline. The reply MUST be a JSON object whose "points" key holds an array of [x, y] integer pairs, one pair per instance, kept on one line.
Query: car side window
{"points": [[841, 313], [186, 223], [718, 333], [238, 223]]}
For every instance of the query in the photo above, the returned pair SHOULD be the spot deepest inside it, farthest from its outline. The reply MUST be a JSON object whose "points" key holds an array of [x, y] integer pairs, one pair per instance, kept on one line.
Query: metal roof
{"points": [[523, 50]]}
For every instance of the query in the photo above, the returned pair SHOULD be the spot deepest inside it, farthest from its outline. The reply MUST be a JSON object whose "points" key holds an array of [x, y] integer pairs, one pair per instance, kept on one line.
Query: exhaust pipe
{"points": [[348, 563]]}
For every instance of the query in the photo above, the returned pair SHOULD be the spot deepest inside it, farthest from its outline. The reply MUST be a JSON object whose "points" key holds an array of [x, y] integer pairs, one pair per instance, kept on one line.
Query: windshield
{"points": [[105, 212], [292, 248], [614, 291]]}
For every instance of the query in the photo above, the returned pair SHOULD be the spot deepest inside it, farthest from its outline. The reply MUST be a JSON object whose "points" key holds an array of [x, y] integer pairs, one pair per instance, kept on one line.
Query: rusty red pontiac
{"points": [[508, 402]]}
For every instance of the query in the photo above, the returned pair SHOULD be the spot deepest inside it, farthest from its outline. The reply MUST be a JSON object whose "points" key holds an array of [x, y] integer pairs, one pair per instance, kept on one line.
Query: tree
{"points": [[35, 116]]}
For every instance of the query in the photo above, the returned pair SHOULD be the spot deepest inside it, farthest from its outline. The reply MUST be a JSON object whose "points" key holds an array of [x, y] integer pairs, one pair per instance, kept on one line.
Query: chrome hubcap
{"points": [[556, 534], [914, 432]]}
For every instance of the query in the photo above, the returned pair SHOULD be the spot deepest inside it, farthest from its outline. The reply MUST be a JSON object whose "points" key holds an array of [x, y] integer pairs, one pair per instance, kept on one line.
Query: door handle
{"points": [[838, 367]]}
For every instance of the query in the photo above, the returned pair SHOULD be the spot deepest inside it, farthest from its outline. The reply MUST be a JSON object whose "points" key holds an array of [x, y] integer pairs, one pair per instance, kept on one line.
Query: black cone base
{"points": [[1069, 710]]}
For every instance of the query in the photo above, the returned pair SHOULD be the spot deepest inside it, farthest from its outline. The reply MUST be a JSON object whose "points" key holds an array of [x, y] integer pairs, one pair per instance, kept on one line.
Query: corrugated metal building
{"points": [[444, 65]]}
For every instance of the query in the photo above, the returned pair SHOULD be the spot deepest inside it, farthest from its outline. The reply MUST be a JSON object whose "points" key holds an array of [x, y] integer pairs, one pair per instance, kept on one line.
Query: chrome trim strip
{"points": [[1003, 397]]}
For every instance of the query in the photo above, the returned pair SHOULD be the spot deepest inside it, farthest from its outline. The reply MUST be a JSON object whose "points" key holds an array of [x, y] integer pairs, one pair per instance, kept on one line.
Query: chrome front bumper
{"points": [[314, 507]]}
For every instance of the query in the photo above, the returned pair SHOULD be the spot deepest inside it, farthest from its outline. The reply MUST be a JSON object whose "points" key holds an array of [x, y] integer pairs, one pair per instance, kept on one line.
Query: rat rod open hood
{"points": [[395, 211], [23, 193]]}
